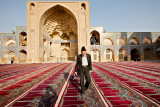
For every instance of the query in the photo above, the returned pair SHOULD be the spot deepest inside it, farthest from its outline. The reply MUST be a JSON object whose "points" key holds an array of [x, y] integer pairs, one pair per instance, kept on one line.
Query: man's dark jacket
{"points": [[79, 62]]}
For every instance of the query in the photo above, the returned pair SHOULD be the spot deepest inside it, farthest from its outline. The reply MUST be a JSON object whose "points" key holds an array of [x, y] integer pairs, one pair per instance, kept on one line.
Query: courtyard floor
{"points": [[113, 84]]}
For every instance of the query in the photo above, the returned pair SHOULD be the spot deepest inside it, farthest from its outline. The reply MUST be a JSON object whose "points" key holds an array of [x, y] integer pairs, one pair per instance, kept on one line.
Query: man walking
{"points": [[83, 68], [11, 61]]}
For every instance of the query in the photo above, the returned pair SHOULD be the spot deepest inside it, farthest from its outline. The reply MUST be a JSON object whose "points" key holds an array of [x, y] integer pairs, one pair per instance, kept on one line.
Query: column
{"points": [[115, 49]]}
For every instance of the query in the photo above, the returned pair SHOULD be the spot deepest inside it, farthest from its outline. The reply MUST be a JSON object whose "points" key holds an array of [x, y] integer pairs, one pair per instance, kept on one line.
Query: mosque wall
{"points": [[124, 46], [106, 46]]}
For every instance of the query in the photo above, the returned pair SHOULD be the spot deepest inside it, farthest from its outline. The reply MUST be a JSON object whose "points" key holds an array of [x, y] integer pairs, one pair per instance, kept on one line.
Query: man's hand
{"points": [[90, 71], [75, 73]]}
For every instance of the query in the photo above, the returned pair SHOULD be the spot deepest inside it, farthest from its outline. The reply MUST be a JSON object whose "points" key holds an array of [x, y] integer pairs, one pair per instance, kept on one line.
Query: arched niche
{"points": [[108, 55], [23, 39], [135, 54], [147, 41], [9, 42], [95, 55], [121, 41], [134, 41], [122, 54], [108, 41], [8, 55], [95, 38], [65, 55], [22, 56], [148, 54]]}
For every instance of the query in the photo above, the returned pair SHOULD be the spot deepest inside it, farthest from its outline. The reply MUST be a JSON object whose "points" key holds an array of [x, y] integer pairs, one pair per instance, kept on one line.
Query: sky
{"points": [[112, 15]]}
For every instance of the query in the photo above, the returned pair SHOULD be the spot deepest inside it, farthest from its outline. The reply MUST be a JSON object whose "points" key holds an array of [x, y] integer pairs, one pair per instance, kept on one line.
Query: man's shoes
{"points": [[75, 77], [81, 95], [85, 88]]}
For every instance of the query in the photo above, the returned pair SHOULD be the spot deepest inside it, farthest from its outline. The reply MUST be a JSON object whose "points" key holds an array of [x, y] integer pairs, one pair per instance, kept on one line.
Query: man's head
{"points": [[83, 51]]}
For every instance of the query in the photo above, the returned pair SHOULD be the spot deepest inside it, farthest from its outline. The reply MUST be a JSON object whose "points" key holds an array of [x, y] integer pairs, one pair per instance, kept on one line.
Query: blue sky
{"points": [[113, 15]]}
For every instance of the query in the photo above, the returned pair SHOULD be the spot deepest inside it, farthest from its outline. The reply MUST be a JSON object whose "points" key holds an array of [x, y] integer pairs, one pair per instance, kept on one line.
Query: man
{"points": [[11, 61], [83, 68]]}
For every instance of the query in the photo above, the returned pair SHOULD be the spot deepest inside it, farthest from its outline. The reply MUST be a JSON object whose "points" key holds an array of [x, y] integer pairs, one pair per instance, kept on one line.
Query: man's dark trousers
{"points": [[84, 72]]}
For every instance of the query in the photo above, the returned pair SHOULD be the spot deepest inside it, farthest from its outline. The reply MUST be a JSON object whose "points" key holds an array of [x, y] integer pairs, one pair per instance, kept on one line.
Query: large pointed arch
{"points": [[58, 23]]}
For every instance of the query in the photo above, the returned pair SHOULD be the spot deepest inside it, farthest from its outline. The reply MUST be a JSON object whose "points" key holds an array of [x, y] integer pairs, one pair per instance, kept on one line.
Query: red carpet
{"points": [[115, 84], [125, 78]]}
